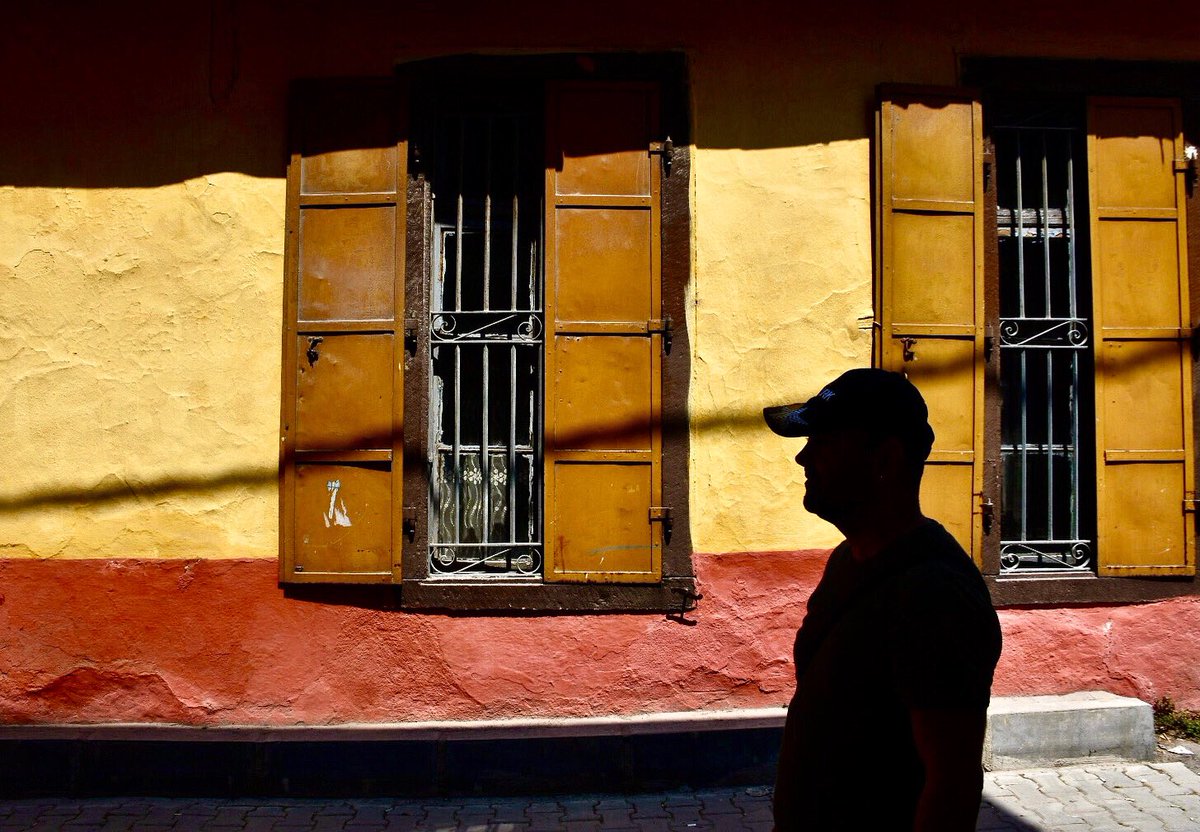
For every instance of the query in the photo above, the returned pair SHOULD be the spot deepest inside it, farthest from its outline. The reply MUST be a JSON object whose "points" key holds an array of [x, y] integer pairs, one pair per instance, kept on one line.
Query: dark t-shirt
{"points": [[912, 627]]}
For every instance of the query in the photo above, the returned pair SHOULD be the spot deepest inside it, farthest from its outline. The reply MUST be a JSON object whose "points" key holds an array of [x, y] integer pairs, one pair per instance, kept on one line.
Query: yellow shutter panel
{"points": [[604, 341], [929, 292], [1145, 473], [342, 357]]}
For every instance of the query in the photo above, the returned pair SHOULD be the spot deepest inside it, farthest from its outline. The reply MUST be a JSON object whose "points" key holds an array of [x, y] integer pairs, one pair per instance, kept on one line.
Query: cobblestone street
{"points": [[1100, 798]]}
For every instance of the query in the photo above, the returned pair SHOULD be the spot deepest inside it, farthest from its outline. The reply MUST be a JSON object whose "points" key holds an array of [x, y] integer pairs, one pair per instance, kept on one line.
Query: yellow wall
{"points": [[139, 332], [140, 315]]}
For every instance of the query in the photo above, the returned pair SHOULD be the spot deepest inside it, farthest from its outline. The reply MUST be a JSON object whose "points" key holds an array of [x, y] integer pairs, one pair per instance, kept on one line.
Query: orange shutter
{"points": [[604, 346], [342, 358], [1145, 474], [930, 287]]}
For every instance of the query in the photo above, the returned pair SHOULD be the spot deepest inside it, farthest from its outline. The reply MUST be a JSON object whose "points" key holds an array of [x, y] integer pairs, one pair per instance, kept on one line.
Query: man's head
{"points": [[869, 437]]}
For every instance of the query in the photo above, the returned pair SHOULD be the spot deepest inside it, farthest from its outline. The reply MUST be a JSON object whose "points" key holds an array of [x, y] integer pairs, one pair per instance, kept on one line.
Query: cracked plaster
{"points": [[139, 426]]}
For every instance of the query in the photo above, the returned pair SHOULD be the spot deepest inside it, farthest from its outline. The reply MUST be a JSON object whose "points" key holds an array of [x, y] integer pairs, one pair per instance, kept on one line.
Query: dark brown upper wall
{"points": [[137, 94]]}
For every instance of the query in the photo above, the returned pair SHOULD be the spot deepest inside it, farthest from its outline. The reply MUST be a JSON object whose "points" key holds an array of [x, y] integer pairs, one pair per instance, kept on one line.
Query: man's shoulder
{"points": [[941, 569]]}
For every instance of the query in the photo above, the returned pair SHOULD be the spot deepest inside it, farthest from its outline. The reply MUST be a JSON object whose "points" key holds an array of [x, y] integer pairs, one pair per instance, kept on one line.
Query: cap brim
{"points": [[788, 419]]}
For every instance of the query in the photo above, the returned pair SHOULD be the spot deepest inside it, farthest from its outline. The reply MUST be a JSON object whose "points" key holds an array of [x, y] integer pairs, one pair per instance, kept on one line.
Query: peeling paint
{"points": [[337, 515]]}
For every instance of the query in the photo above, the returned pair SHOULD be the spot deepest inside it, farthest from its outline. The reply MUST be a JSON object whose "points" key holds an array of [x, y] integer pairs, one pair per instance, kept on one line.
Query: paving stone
{"points": [[727, 823], [713, 804], [1174, 819], [588, 825], [542, 807], [337, 823], [405, 823], [1112, 776], [645, 807]]}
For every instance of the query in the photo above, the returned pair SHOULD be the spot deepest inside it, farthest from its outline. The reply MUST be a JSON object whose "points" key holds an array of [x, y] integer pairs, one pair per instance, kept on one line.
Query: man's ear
{"points": [[891, 457]]}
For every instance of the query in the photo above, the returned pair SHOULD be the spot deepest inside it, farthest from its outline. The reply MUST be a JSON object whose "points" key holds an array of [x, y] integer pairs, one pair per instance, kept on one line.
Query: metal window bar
{"points": [[483, 447], [1045, 355]]}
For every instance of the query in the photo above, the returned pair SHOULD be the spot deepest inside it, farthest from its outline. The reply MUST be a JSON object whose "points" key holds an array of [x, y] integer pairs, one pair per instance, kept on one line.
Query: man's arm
{"points": [[950, 744]]}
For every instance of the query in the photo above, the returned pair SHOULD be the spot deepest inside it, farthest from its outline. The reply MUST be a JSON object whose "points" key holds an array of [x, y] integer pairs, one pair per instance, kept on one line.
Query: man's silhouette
{"points": [[894, 659]]}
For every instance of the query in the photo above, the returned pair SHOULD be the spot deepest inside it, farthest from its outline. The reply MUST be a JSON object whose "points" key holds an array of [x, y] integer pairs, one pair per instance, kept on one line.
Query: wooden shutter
{"points": [[1144, 477], [929, 300], [342, 355], [604, 342]]}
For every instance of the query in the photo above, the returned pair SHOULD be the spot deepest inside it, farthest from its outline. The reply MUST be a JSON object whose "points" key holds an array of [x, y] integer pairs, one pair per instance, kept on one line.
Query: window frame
{"points": [[1012, 77], [676, 592]]}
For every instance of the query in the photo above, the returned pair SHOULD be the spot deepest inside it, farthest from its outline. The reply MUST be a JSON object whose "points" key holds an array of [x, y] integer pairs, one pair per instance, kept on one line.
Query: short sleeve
{"points": [[946, 639]]}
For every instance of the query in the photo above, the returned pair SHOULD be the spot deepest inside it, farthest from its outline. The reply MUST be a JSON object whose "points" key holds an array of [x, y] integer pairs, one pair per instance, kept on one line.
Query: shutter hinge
{"points": [[1187, 167], [663, 149], [989, 343], [662, 514], [1189, 502], [989, 161], [1188, 163], [661, 327]]}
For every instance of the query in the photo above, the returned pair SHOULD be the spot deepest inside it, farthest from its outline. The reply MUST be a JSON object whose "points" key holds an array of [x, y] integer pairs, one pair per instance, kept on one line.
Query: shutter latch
{"points": [[408, 517], [686, 605], [311, 353], [410, 336], [663, 149], [662, 514], [661, 327], [987, 512]]}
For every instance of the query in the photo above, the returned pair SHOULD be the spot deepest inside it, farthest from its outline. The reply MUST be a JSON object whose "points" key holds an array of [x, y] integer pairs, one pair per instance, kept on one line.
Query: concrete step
{"points": [[1084, 727]]}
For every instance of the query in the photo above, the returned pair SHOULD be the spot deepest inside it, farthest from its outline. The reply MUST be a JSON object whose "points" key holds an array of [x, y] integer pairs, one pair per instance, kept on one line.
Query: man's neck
{"points": [[880, 529]]}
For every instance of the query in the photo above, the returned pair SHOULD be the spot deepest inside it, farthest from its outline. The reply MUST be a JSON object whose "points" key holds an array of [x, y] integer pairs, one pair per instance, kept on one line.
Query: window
{"points": [[483, 373], [1047, 405], [1033, 282]]}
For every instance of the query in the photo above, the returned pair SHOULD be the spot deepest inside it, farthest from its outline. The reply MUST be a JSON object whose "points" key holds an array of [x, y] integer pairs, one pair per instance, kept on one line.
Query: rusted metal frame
{"points": [[419, 462], [660, 167], [992, 440], [1048, 357], [291, 303], [512, 350], [485, 459], [399, 260], [456, 464]]}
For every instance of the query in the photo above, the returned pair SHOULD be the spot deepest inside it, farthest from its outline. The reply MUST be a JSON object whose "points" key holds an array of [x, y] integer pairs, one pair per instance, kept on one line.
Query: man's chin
{"points": [[825, 512]]}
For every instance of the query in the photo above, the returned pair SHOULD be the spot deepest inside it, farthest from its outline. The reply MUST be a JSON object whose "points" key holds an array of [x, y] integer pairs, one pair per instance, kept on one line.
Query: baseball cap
{"points": [[878, 401]]}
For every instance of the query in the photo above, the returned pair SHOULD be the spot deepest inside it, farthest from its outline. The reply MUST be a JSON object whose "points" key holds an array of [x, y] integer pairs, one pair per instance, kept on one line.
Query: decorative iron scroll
{"points": [[457, 559], [478, 327], [1041, 556], [1044, 333]]}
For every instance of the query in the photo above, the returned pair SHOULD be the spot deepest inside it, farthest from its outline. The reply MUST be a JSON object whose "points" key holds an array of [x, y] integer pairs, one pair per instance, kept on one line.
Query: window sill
{"points": [[1061, 590], [456, 596]]}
